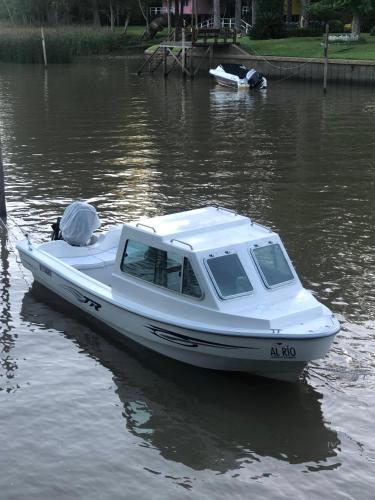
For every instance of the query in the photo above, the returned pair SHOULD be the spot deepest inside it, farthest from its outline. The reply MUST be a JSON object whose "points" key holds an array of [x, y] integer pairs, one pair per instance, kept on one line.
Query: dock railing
{"points": [[226, 22]]}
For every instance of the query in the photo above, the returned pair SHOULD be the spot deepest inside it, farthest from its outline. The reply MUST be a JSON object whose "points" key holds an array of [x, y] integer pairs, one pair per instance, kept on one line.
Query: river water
{"points": [[83, 417]]}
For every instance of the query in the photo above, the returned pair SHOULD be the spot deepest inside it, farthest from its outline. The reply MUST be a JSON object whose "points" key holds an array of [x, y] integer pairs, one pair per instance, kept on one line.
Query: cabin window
{"points": [[272, 265], [167, 269], [229, 276]]}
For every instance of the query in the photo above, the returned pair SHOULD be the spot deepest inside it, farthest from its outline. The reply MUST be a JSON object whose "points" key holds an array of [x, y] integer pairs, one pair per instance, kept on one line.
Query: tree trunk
{"points": [[169, 17], [289, 11], [176, 20], [127, 22], [304, 20], [237, 15], [254, 9], [95, 13], [145, 15], [117, 15], [356, 24], [5, 2], [217, 14], [112, 15]]}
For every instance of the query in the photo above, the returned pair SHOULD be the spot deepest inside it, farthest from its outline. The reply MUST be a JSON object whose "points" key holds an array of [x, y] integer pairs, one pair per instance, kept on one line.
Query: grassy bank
{"points": [[23, 45], [311, 47], [306, 47]]}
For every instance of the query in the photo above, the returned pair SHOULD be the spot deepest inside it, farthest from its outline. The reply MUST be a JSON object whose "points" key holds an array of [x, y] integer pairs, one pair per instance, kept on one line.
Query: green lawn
{"points": [[311, 47], [305, 47]]}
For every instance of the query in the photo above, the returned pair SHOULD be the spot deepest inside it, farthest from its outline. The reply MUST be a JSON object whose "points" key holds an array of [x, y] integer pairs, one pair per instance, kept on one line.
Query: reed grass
{"points": [[23, 44]]}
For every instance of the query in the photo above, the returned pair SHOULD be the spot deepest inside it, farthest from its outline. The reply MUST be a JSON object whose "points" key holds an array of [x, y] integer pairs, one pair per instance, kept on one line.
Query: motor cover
{"points": [[254, 78], [78, 223]]}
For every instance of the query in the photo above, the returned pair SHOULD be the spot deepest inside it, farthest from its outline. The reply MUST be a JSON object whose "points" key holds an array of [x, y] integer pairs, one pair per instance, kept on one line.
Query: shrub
{"points": [[336, 26], [269, 21], [372, 31], [301, 32]]}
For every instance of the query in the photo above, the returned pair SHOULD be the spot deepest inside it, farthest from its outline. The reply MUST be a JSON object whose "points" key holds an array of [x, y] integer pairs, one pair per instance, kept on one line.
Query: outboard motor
{"points": [[255, 79], [77, 224], [56, 233]]}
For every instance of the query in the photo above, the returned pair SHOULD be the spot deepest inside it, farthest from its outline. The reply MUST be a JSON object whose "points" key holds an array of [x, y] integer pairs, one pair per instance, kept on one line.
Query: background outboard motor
{"points": [[254, 79]]}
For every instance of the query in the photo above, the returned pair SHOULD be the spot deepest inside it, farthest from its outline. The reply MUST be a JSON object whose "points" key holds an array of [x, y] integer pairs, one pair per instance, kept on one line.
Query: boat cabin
{"points": [[210, 254]]}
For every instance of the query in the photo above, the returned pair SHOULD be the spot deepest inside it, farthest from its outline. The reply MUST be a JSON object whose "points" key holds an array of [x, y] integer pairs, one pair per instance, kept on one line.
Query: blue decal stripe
{"points": [[178, 338]]}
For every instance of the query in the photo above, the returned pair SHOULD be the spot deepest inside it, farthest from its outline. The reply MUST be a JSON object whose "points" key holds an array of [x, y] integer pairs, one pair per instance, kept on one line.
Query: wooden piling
{"points": [[326, 37], [44, 47], [211, 56], [3, 209], [183, 54], [165, 70]]}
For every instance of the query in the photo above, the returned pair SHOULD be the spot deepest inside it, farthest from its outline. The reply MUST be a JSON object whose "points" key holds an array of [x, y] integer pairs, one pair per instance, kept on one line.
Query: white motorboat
{"points": [[207, 287], [238, 76]]}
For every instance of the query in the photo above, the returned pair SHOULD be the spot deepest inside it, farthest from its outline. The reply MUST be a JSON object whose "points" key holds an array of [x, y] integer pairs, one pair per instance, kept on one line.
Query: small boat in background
{"points": [[238, 76]]}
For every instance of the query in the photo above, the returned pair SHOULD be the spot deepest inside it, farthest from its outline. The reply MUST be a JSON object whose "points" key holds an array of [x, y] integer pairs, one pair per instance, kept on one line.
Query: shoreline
{"points": [[349, 71]]}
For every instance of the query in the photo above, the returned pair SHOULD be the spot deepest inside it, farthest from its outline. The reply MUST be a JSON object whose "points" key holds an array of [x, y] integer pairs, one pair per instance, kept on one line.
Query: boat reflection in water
{"points": [[200, 418], [222, 97]]}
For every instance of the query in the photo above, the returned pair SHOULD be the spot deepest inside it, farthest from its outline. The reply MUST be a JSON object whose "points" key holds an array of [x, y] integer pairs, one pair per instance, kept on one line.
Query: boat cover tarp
{"points": [[235, 69], [78, 223]]}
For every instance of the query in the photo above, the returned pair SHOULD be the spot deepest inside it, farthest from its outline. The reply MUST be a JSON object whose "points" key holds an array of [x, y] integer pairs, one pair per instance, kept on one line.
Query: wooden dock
{"points": [[181, 52]]}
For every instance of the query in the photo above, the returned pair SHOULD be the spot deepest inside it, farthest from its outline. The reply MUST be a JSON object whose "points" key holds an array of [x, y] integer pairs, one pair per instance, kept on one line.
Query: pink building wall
{"points": [[204, 7]]}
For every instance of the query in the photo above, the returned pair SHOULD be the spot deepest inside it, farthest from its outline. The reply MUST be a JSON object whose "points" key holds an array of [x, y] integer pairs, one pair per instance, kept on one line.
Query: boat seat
{"points": [[102, 259], [102, 253]]}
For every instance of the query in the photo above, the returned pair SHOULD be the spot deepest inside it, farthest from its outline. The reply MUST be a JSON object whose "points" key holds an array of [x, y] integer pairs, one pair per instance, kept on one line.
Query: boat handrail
{"points": [[145, 225], [183, 243], [218, 207], [262, 226]]}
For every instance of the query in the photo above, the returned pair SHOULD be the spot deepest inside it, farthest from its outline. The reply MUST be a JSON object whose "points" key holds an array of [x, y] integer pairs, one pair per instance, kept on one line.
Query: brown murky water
{"points": [[84, 417]]}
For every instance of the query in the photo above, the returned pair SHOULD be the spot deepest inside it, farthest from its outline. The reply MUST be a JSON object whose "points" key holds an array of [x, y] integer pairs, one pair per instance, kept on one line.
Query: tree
{"points": [[289, 9], [357, 9], [217, 14], [237, 15], [304, 13], [67, 11], [269, 20], [254, 10]]}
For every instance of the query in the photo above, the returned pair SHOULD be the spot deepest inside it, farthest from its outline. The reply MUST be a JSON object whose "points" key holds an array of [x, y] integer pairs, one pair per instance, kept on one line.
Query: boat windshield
{"points": [[272, 265], [228, 275], [167, 269]]}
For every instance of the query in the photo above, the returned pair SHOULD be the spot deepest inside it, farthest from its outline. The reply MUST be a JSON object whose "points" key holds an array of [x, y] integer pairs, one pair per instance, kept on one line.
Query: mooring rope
{"points": [[13, 249], [299, 66]]}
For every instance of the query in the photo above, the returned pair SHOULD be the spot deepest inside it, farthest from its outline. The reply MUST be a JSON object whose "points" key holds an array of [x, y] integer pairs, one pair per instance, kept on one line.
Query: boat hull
{"points": [[272, 356]]}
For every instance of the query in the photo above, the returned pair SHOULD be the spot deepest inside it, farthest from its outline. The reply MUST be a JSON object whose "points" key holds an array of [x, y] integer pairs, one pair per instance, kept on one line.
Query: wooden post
{"points": [[191, 62], [169, 18], [165, 62], [183, 52], [325, 58], [211, 56], [44, 48], [3, 208]]}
